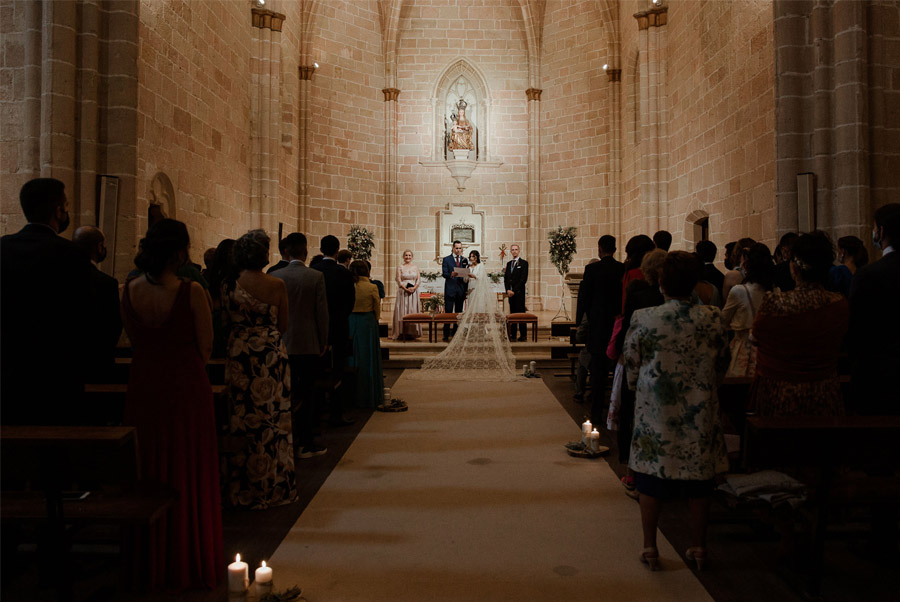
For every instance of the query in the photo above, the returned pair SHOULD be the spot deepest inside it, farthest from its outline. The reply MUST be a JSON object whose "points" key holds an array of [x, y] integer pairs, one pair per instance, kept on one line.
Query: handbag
{"points": [[611, 351]]}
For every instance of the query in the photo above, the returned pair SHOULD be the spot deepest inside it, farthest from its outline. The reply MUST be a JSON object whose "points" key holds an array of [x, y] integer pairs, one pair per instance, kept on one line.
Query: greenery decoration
{"points": [[288, 595], [562, 247], [433, 304], [429, 276], [360, 242]]}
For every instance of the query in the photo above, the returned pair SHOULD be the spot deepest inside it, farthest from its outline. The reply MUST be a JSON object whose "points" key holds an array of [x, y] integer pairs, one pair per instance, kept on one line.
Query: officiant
{"points": [[454, 286]]}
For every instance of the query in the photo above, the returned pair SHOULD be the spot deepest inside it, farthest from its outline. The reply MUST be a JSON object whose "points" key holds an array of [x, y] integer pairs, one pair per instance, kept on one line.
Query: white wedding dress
{"points": [[480, 349]]}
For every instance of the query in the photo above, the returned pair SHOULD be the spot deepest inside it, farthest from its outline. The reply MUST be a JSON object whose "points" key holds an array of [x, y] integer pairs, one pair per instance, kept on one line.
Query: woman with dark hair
{"points": [[743, 302], [736, 276], [799, 335], [221, 270], [170, 403], [366, 356], [259, 467], [635, 249], [852, 255], [675, 357]]}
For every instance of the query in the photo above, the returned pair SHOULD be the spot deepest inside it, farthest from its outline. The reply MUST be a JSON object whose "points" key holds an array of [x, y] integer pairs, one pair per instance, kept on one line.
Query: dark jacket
{"points": [[454, 287], [600, 299], [340, 293]]}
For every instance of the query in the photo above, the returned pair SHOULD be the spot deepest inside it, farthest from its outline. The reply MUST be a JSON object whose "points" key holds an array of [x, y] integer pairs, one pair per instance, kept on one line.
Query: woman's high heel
{"points": [[698, 555], [650, 557]]}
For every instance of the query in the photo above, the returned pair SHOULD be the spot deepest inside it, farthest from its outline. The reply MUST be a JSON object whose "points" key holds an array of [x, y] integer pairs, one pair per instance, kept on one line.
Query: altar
{"points": [[437, 286]]}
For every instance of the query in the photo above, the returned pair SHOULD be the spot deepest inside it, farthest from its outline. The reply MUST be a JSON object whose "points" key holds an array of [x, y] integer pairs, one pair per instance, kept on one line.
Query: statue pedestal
{"points": [[460, 170], [461, 154]]}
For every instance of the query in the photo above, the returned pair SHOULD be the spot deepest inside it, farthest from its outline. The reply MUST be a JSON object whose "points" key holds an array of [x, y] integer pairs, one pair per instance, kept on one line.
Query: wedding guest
{"points": [[726, 260], [378, 283], [340, 294], [641, 294], [42, 273], [366, 356], [408, 281], [706, 251], [259, 469], [798, 335], [104, 320], [170, 403], [635, 249], [874, 340], [345, 258], [514, 280], [743, 302], [306, 339], [675, 357], [221, 272], [736, 275], [662, 240], [209, 257], [852, 255], [783, 280]]}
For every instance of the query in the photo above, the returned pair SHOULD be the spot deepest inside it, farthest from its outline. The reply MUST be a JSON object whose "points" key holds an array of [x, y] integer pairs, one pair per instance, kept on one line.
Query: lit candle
{"points": [[595, 440], [586, 432], [238, 575], [263, 574]]}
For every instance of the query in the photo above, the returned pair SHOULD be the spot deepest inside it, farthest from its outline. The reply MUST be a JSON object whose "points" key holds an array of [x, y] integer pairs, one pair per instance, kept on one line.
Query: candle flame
{"points": [[237, 557], [264, 563]]}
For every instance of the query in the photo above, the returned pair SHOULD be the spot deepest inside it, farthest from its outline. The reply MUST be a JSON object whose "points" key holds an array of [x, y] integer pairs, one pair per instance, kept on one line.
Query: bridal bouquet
{"points": [[562, 248], [360, 242]]}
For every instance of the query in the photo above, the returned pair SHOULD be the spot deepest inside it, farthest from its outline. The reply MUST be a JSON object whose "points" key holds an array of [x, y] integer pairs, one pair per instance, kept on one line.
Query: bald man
{"points": [[104, 320]]}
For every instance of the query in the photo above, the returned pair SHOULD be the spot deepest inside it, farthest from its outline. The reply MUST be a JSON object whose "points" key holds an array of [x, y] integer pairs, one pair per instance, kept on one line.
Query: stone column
{"points": [[653, 42], [533, 214], [391, 205], [266, 119], [615, 155], [306, 73]]}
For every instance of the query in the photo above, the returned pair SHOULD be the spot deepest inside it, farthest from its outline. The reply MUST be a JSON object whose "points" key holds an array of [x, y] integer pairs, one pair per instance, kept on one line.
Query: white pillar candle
{"points": [[238, 575], [595, 440], [586, 432], [264, 573]]}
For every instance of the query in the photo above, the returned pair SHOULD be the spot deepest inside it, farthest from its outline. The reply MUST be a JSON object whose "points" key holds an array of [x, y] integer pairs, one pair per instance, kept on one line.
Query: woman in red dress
{"points": [[169, 323]]}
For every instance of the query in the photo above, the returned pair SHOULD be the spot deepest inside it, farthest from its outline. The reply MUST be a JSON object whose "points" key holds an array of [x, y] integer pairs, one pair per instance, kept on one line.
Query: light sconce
{"points": [[605, 66], [259, 3], [316, 65]]}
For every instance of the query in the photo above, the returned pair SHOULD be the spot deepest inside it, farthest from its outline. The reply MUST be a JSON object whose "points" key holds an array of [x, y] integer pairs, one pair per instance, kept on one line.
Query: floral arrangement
{"points": [[495, 276], [562, 248], [429, 276], [433, 303], [360, 242]]}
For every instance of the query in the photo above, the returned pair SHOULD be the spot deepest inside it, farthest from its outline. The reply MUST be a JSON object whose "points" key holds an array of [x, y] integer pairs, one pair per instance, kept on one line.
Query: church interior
{"points": [[492, 122]]}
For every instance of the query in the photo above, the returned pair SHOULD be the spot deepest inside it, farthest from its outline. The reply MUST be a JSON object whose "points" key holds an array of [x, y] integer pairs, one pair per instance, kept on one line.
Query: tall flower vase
{"points": [[562, 314]]}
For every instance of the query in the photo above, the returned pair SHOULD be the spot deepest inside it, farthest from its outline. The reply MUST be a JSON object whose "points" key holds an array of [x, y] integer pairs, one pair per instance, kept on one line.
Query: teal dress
{"points": [[366, 356]]}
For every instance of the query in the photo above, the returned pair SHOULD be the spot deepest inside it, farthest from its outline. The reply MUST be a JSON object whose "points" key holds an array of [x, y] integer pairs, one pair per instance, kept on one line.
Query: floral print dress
{"points": [[259, 452], [675, 357]]}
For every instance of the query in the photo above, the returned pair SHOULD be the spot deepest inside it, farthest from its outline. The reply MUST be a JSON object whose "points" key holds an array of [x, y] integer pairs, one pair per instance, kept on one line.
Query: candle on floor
{"points": [[264, 573], [595, 440], [586, 432], [238, 575]]}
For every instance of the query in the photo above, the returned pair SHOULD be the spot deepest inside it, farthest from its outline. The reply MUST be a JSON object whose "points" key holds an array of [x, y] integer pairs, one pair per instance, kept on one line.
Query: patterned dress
{"points": [[259, 455], [675, 357], [799, 335]]}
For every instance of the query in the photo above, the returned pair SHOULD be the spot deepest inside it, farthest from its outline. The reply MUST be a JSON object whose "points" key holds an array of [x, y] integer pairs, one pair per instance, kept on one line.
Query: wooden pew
{"points": [[822, 443], [43, 462]]}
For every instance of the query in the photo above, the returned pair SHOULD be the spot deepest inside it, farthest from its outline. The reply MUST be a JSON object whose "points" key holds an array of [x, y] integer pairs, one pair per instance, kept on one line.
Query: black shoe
{"points": [[312, 451], [523, 339], [341, 422]]}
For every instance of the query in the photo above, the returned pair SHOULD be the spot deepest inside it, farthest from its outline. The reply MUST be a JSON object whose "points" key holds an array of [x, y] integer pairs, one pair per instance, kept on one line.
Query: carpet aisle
{"points": [[470, 496]]}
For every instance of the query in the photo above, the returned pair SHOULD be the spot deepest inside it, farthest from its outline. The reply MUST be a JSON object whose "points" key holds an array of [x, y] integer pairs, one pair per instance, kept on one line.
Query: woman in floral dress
{"points": [[675, 357], [259, 454]]}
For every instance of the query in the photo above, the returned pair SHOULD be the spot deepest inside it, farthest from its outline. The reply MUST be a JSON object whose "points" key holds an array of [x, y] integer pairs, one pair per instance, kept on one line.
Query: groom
{"points": [[454, 288]]}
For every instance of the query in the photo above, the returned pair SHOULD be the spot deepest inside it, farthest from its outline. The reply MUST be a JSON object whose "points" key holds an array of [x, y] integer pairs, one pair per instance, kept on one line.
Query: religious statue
{"points": [[461, 132]]}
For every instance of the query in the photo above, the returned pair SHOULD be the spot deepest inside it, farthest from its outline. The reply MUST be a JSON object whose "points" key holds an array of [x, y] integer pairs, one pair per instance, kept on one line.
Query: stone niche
{"points": [[459, 221]]}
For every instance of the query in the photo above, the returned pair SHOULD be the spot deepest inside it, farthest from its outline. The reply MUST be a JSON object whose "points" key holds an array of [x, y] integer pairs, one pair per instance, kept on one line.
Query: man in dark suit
{"points": [[454, 288], [306, 339], [874, 333], [283, 262], [783, 279], [105, 321], [600, 300], [706, 251], [340, 294], [514, 279], [45, 296]]}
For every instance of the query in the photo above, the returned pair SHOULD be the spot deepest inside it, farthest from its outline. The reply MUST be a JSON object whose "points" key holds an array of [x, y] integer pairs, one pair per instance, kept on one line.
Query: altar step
{"points": [[411, 354]]}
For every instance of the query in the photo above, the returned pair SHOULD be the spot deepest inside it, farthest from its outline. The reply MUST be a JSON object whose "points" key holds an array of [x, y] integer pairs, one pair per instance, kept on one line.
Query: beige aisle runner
{"points": [[470, 497]]}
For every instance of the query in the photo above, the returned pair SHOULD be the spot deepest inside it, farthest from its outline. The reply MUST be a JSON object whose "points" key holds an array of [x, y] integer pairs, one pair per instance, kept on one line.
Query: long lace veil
{"points": [[480, 349]]}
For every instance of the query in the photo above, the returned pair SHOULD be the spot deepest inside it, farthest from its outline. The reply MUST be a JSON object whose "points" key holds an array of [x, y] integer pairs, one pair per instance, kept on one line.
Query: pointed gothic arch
{"points": [[449, 80]]}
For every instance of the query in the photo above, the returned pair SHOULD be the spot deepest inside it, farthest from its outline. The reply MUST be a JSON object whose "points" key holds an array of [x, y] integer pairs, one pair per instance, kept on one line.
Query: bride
{"points": [[480, 348]]}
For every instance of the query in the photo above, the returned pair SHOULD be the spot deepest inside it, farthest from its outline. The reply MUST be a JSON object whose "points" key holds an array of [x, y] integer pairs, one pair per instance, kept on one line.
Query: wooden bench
{"points": [[524, 318], [441, 319], [822, 443], [410, 319], [43, 462]]}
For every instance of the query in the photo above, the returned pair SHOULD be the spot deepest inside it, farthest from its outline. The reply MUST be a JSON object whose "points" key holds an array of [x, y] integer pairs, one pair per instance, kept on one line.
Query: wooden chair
{"points": [[441, 319], [523, 318], [417, 319]]}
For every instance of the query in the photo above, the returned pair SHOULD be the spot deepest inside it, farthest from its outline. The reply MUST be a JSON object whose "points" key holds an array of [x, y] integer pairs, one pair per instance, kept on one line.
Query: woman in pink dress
{"points": [[407, 302]]}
